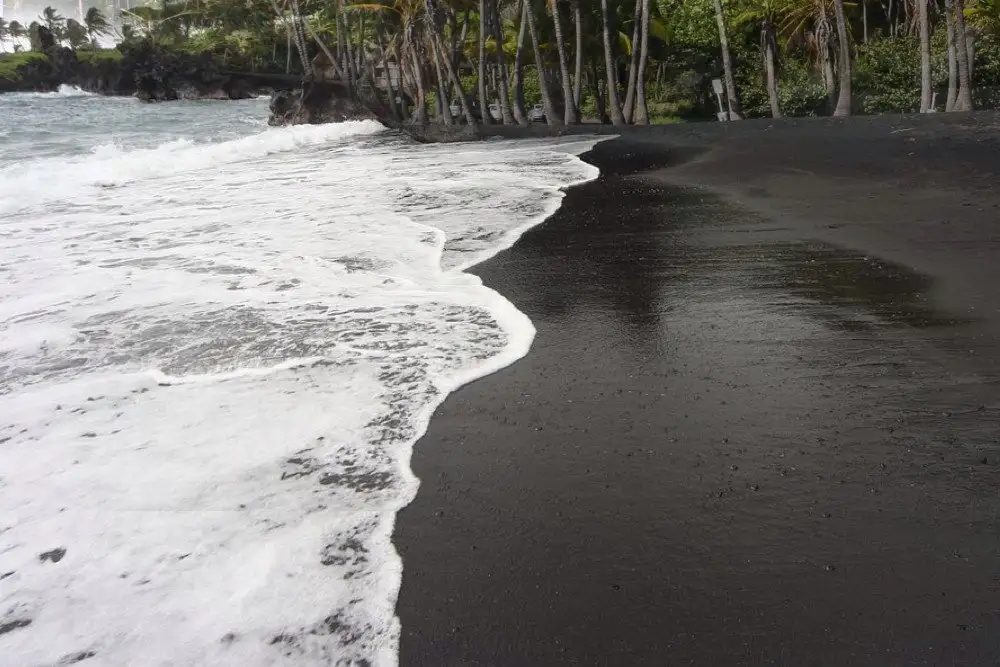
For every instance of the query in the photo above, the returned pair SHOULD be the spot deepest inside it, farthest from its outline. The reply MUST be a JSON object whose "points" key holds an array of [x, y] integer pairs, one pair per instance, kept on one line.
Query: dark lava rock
{"points": [[149, 73], [53, 556], [318, 102]]}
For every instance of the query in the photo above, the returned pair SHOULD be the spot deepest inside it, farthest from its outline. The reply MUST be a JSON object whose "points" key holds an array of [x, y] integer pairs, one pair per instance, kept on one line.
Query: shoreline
{"points": [[744, 433]]}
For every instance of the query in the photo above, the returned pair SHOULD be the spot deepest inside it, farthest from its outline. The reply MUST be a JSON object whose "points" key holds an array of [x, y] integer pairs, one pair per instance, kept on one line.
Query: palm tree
{"points": [[629, 107], [952, 58], [844, 99], [433, 28], [506, 112], [641, 116], [578, 64], [17, 32], [543, 83], [735, 110], [97, 25], [54, 22], [925, 58], [609, 62], [4, 33], [484, 103], [570, 113], [766, 14], [519, 114], [963, 102], [809, 22], [75, 34]]}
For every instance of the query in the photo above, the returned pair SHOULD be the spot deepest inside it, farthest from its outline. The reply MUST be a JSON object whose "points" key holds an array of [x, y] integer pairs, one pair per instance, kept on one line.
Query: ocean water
{"points": [[218, 344]]}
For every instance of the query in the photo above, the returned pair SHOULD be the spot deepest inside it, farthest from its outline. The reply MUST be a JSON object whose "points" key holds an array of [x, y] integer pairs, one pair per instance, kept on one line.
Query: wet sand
{"points": [[760, 422]]}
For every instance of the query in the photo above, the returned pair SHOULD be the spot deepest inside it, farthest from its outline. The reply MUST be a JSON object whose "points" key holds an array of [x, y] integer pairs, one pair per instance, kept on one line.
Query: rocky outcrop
{"points": [[318, 102], [148, 73]]}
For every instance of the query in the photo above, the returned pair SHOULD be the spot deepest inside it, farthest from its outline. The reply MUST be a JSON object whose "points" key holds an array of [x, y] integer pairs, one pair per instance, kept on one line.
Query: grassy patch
{"points": [[665, 120], [95, 56], [11, 63]]}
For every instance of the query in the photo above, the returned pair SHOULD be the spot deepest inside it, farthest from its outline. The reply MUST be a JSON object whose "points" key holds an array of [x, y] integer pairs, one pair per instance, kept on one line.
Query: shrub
{"points": [[12, 63]]}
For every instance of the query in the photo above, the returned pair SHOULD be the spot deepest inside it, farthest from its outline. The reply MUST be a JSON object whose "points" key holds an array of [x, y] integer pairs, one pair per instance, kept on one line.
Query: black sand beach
{"points": [[760, 422]]}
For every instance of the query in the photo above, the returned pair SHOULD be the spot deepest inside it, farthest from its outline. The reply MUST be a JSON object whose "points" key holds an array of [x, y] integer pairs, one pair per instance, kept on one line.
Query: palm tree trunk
{"points": [[444, 112], [970, 44], [963, 102], [732, 97], [360, 51], [629, 109], [578, 67], [864, 19], [420, 113], [952, 59], [543, 83], [484, 102], [505, 110], [602, 111], [518, 109], [458, 45], [770, 69], [829, 79], [288, 49], [925, 58], [609, 63], [641, 116], [322, 46], [456, 83], [844, 99], [570, 114]]}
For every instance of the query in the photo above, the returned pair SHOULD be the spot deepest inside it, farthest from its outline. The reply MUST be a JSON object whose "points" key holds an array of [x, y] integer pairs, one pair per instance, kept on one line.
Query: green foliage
{"points": [[800, 91], [887, 75], [95, 56], [986, 94], [12, 63]]}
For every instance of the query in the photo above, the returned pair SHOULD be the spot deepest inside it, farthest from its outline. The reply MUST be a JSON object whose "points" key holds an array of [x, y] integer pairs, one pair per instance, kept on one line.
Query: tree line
{"points": [[492, 60], [64, 30]]}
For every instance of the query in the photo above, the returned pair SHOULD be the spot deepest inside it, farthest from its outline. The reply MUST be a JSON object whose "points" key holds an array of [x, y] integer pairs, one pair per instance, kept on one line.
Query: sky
{"points": [[27, 11]]}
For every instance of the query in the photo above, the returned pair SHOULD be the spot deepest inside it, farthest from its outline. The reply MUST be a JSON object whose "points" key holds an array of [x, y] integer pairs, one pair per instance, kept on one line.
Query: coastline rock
{"points": [[318, 102], [148, 73]]}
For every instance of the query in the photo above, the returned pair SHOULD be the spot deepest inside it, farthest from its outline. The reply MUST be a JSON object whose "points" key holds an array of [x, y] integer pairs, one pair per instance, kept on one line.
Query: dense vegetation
{"points": [[626, 62]]}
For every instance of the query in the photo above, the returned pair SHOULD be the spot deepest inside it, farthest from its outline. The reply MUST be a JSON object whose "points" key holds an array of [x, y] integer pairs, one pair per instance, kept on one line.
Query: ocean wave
{"points": [[214, 375], [27, 184]]}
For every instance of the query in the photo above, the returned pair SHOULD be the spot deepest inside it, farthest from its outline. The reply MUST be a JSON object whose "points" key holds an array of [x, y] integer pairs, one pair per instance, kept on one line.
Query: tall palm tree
{"points": [[844, 99], [952, 58], [484, 102], [570, 113], [543, 84], [17, 32], [633, 66], [76, 34], [641, 116], [433, 28], [735, 109], [578, 64], [518, 109], [506, 113], [963, 102], [925, 57], [97, 25], [611, 67], [54, 22], [765, 15], [810, 22]]}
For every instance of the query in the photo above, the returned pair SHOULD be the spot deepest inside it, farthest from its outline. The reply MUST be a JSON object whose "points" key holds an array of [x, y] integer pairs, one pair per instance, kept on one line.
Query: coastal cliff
{"points": [[142, 70]]}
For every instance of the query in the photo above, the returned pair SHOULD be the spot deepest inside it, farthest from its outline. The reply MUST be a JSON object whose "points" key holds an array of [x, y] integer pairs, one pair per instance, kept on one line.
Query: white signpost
{"points": [[717, 87]]}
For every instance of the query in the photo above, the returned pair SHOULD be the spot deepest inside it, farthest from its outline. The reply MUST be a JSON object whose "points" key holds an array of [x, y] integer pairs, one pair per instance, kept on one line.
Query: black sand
{"points": [[760, 422]]}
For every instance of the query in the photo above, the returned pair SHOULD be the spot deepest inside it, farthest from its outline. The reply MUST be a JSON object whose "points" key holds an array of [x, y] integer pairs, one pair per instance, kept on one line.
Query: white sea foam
{"points": [[212, 376]]}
